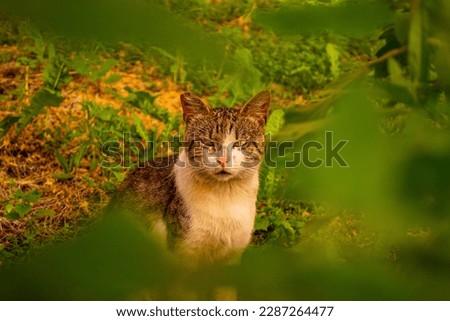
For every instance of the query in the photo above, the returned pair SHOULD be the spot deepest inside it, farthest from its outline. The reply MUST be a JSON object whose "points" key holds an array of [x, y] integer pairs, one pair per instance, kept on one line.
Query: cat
{"points": [[202, 202]]}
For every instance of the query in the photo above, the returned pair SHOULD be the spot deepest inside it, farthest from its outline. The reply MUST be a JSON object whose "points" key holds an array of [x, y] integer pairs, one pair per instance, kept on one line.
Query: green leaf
{"points": [[45, 212], [13, 215], [62, 161], [275, 122], [62, 176], [80, 153], [99, 247], [112, 78], [142, 100], [262, 223], [298, 224], [110, 187], [105, 67], [6, 124], [51, 51], [32, 196], [140, 127], [22, 209], [418, 48], [269, 182], [107, 114], [396, 72], [438, 17], [55, 73], [349, 18], [119, 176], [287, 226], [164, 53], [18, 193], [334, 57], [336, 182], [139, 22], [40, 100], [397, 92], [242, 78], [81, 66], [146, 102], [9, 208]]}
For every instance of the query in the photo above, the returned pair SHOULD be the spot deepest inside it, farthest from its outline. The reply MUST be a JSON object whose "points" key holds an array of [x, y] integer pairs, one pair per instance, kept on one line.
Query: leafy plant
{"points": [[94, 68], [177, 67], [281, 223], [21, 203], [36, 46], [39, 101], [271, 173], [54, 76], [240, 80]]}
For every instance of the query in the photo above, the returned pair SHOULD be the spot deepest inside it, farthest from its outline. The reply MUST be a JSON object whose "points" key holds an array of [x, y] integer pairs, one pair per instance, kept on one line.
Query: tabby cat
{"points": [[202, 201]]}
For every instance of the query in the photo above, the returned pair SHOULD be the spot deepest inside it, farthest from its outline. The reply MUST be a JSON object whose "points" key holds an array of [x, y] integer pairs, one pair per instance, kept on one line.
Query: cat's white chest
{"points": [[226, 218], [221, 217]]}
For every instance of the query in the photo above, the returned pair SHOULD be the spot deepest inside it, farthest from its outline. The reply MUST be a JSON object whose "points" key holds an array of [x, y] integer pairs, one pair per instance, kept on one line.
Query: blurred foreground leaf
{"points": [[349, 18], [142, 22], [114, 260]]}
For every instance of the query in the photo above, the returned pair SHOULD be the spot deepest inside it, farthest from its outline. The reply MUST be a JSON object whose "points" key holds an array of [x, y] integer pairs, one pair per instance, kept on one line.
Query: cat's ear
{"points": [[258, 106], [192, 105]]}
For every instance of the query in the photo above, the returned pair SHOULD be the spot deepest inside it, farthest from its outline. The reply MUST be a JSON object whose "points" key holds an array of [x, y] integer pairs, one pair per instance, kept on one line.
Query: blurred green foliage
{"points": [[142, 22], [392, 110], [103, 264], [350, 18], [117, 260]]}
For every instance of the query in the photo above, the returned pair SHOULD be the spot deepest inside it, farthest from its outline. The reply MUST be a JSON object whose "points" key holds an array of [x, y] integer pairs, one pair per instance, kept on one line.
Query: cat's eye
{"points": [[210, 147], [239, 144]]}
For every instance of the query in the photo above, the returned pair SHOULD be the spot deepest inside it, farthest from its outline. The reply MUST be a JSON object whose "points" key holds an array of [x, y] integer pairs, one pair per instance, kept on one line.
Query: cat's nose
{"points": [[222, 161]]}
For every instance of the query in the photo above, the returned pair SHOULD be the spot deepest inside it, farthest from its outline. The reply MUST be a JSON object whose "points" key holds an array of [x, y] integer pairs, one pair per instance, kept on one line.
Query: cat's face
{"points": [[224, 143]]}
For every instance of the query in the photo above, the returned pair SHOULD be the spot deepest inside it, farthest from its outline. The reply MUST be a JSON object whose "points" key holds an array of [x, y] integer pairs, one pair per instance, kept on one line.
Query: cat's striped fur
{"points": [[202, 201]]}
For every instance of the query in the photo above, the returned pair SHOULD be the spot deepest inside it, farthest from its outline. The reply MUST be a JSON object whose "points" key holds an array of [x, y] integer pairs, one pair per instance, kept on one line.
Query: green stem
{"points": [[58, 77]]}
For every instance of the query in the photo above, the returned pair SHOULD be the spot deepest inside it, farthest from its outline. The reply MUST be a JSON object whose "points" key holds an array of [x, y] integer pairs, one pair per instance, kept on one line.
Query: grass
{"points": [[52, 146], [379, 226], [59, 151]]}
